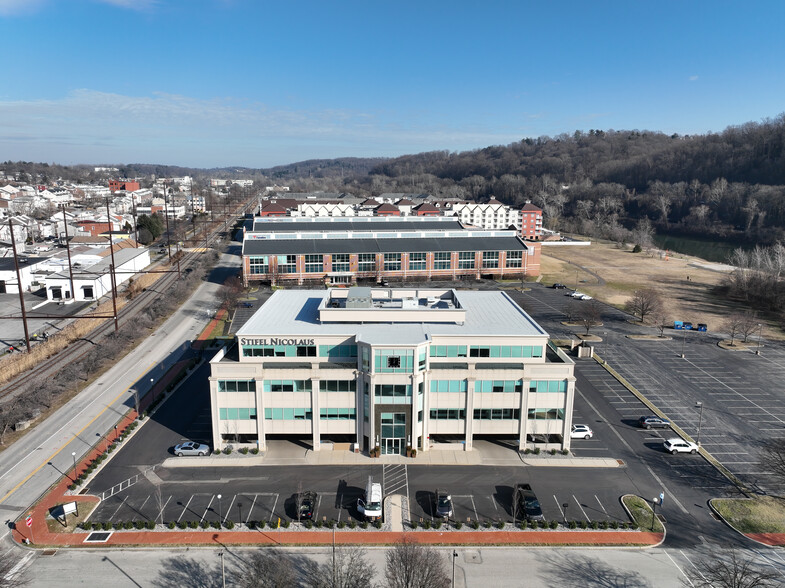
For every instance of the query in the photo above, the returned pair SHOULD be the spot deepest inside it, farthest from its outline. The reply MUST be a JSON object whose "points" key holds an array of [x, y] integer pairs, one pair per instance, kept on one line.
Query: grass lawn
{"points": [[642, 513], [765, 514]]}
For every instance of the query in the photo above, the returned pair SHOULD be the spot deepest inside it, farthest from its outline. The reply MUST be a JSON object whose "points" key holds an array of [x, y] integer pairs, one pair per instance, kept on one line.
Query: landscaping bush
{"points": [[262, 524], [553, 451], [487, 524], [573, 525], [413, 524], [637, 248], [554, 524], [364, 524], [244, 450], [182, 524], [458, 524], [614, 525], [475, 525], [565, 451], [542, 524], [229, 524], [215, 524], [536, 451], [594, 525], [522, 525], [499, 524], [255, 451], [584, 524], [426, 524], [193, 524], [378, 524], [117, 526], [318, 524], [171, 524], [308, 524], [341, 524], [150, 525], [227, 450], [98, 526], [527, 451], [139, 525], [633, 525], [329, 524], [603, 524], [285, 523], [72, 487], [352, 524], [533, 524]]}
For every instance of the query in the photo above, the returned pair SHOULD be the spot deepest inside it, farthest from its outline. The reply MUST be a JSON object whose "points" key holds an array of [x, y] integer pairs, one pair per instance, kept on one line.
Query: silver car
{"points": [[191, 448]]}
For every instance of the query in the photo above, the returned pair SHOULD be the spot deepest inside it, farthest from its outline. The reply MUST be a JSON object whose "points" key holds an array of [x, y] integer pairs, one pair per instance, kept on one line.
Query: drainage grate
{"points": [[48, 552], [99, 537]]}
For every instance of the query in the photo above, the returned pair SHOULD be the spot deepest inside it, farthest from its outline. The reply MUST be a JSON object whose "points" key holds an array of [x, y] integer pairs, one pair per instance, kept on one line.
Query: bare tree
{"points": [[747, 325], [589, 315], [732, 325], [661, 320], [644, 302], [571, 309], [265, 569], [772, 458], [414, 565], [729, 570], [230, 292], [346, 568]]}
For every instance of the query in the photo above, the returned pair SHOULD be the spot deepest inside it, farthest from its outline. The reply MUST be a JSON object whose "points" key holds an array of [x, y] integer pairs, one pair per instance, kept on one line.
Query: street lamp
{"points": [[760, 333], [655, 501], [223, 572], [73, 455], [454, 555], [683, 340], [220, 513], [565, 505], [700, 420]]}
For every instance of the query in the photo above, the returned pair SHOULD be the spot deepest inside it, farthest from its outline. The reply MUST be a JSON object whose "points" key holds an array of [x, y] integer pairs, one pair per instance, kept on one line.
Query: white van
{"points": [[371, 505]]}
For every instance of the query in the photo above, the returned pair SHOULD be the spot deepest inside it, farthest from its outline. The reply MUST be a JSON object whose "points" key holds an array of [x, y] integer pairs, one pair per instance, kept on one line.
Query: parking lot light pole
{"points": [[565, 505], [700, 420], [220, 513], [683, 340], [73, 455], [655, 501], [760, 333], [454, 555]]}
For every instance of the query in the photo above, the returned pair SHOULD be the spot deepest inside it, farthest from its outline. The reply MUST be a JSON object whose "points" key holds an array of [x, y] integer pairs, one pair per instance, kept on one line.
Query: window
{"points": [[336, 352], [237, 385], [548, 386], [236, 414], [505, 351], [392, 262], [306, 351], [287, 414], [490, 259], [340, 262], [497, 414], [498, 386], [441, 260], [549, 414], [287, 386], [314, 263], [448, 386], [366, 262], [337, 413], [366, 360], [279, 351], [514, 258], [338, 386], [258, 265], [422, 358], [448, 413], [392, 390], [393, 425], [416, 261], [394, 361], [287, 264], [465, 259], [448, 350]]}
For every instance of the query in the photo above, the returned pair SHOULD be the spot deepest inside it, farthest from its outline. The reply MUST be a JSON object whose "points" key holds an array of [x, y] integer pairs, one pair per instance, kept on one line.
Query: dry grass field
{"points": [[610, 274]]}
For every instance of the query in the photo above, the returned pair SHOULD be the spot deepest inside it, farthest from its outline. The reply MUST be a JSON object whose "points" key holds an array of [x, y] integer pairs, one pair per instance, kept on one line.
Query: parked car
{"points": [[558, 286], [191, 448], [577, 294], [370, 506], [584, 297], [581, 432], [525, 503], [306, 505], [442, 503], [653, 422], [678, 445]]}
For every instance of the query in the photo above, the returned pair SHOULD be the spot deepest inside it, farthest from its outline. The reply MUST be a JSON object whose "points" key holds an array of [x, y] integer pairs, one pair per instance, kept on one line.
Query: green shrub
{"points": [[584, 524], [341, 524], [139, 525], [533, 524], [229, 524], [499, 524], [285, 523], [364, 525], [594, 525], [377, 523], [542, 524], [215, 524], [554, 524], [308, 524], [227, 450], [413, 524], [633, 525], [150, 525], [603, 524], [522, 525], [458, 524], [536, 451], [318, 524], [487, 524], [182, 524], [637, 248], [329, 524], [352, 524], [118, 525], [565, 451], [426, 524], [171, 524], [244, 450], [262, 524], [72, 487], [527, 451], [553, 451], [98, 526], [255, 451], [475, 525], [193, 524], [614, 525], [437, 524], [572, 524]]}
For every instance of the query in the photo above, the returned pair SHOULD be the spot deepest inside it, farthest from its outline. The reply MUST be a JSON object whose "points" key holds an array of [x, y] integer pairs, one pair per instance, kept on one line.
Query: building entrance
{"points": [[393, 441]]}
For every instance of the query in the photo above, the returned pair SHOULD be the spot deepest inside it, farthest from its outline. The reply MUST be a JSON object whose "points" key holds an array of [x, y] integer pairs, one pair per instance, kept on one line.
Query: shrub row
{"points": [[93, 464], [95, 526], [536, 451], [437, 524]]}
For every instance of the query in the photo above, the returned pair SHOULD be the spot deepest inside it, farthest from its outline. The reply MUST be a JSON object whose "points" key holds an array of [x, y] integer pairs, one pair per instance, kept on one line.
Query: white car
{"points": [[191, 448], [585, 297], [581, 432], [577, 294], [677, 445]]}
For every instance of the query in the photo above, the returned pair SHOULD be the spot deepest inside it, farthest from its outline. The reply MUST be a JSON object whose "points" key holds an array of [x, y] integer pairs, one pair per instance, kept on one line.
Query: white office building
{"points": [[393, 369]]}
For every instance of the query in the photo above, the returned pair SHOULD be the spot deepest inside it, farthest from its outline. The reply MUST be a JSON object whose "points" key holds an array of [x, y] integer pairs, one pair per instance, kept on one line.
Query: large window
{"points": [[548, 386], [505, 351], [236, 414], [337, 413], [287, 264], [366, 262], [337, 352], [497, 414], [465, 259], [490, 259], [498, 386], [514, 259], [392, 262], [416, 261], [279, 351], [448, 350], [259, 265], [337, 386], [448, 385], [340, 262], [441, 260], [394, 361], [287, 414], [393, 425], [392, 390], [237, 385], [547, 414], [314, 263], [287, 386], [452, 414]]}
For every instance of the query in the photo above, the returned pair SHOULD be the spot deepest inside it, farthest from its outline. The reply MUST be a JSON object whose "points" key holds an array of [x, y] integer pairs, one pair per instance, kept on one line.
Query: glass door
{"points": [[393, 433]]}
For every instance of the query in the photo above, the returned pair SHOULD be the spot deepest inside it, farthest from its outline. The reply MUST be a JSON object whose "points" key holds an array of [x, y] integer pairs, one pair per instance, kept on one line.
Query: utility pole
{"points": [[68, 252], [19, 284], [112, 268]]}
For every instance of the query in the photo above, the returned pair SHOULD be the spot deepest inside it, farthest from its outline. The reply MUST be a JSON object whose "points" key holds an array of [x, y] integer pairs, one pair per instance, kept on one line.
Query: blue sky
{"points": [[259, 83]]}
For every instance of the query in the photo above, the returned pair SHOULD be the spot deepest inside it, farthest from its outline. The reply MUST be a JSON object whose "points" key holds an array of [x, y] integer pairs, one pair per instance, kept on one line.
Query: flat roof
{"points": [[296, 313], [399, 245], [357, 223]]}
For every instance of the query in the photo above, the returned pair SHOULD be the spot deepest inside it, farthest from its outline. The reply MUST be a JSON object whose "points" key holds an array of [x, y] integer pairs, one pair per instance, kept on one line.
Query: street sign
{"points": [[29, 521]]}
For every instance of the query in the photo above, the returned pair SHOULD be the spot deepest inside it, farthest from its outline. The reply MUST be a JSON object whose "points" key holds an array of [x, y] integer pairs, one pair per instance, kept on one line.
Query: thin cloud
{"points": [[693, 78], [132, 4], [19, 7]]}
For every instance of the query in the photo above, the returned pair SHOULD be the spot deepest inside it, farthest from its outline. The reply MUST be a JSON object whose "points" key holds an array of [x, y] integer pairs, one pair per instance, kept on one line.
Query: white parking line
{"points": [[229, 509], [122, 503], [272, 511], [186, 507], [581, 507], [601, 506], [163, 508]]}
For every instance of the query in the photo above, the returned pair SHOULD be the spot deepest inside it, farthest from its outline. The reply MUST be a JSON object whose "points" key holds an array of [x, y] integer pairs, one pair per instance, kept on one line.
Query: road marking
{"points": [[163, 508], [17, 569], [76, 436], [474, 508], [601, 506], [228, 510], [185, 508], [493, 500], [250, 510], [581, 507], [272, 510]]}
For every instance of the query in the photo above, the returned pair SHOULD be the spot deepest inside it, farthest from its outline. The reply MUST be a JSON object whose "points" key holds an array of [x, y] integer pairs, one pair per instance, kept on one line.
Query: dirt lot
{"points": [[610, 274]]}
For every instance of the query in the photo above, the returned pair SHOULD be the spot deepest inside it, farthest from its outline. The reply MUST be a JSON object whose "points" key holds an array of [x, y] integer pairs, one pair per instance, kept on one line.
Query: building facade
{"points": [[391, 369]]}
